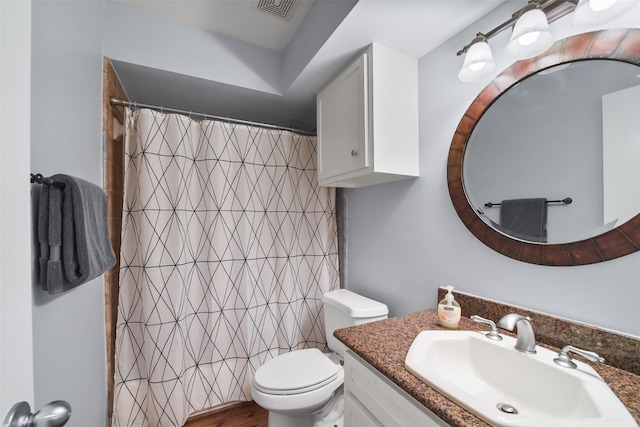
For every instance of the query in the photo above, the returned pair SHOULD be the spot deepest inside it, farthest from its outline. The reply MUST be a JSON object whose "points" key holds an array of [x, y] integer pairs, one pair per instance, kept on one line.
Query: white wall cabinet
{"points": [[368, 121], [371, 399]]}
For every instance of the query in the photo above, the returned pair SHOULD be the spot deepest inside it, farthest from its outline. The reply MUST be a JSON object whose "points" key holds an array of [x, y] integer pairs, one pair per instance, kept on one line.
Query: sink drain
{"points": [[507, 409]]}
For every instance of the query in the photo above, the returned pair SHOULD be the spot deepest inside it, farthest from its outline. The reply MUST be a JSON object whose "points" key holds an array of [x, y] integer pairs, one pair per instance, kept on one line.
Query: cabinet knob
{"points": [[354, 153]]}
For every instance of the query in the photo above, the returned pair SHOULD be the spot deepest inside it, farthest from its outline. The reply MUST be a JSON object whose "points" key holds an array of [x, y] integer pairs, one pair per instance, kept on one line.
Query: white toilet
{"points": [[299, 387]]}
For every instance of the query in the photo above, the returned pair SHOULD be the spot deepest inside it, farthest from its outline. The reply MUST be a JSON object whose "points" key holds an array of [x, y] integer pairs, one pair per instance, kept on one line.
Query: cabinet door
{"points": [[372, 399], [343, 123], [356, 416]]}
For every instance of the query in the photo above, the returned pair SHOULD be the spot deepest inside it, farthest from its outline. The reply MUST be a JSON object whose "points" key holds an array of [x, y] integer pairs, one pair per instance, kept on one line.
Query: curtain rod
{"points": [[135, 105]]}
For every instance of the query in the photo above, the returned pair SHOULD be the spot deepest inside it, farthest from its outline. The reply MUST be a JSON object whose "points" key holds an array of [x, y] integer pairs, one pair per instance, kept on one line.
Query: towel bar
{"points": [[565, 201], [39, 179]]}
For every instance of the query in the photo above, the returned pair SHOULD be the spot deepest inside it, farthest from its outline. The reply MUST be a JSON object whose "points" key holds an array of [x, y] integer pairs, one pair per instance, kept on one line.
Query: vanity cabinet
{"points": [[368, 121], [371, 399]]}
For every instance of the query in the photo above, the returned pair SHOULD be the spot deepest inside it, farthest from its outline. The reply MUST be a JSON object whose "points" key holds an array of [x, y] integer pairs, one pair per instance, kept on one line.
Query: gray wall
{"points": [[405, 238], [66, 123], [16, 343]]}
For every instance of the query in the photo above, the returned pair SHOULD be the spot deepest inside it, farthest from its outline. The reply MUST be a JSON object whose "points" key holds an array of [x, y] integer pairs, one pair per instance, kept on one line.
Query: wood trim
{"points": [[113, 125], [235, 414], [615, 44]]}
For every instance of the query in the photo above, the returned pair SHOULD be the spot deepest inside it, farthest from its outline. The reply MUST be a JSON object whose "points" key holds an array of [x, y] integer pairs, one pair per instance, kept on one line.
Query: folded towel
{"points": [[525, 218], [73, 233], [43, 234]]}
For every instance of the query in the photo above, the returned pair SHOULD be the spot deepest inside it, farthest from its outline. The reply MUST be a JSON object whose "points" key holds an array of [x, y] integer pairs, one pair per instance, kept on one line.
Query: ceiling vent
{"points": [[283, 9]]}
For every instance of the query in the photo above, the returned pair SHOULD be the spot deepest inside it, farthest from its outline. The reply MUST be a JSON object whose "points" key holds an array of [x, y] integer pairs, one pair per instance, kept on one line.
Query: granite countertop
{"points": [[384, 345]]}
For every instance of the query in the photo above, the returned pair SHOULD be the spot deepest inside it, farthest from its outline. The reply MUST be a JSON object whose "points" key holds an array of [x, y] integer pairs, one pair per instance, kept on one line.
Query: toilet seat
{"points": [[296, 372]]}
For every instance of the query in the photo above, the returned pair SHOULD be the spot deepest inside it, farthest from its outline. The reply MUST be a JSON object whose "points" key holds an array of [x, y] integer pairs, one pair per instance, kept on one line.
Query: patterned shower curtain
{"points": [[228, 244]]}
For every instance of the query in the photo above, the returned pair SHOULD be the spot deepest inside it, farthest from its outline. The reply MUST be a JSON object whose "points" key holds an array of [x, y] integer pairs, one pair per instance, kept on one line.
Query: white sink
{"points": [[481, 374]]}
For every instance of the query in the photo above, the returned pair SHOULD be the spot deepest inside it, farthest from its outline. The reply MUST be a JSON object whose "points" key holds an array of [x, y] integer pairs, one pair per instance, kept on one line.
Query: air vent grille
{"points": [[282, 9]]}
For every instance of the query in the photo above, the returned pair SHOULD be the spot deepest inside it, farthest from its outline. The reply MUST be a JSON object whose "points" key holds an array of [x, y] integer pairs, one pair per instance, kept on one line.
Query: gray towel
{"points": [[73, 234], [525, 218]]}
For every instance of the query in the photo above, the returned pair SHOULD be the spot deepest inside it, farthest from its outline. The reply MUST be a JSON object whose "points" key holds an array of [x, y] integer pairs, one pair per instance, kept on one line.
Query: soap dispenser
{"points": [[449, 311]]}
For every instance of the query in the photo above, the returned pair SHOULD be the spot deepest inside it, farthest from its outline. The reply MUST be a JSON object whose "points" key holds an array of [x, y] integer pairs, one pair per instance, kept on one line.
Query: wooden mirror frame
{"points": [[614, 44]]}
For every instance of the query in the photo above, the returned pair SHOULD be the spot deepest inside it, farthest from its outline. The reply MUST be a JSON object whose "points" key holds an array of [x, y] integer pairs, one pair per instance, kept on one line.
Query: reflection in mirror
{"points": [[570, 131], [611, 185]]}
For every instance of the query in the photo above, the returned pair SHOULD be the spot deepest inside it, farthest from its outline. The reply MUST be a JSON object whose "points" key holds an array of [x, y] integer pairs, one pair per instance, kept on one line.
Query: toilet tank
{"points": [[343, 308]]}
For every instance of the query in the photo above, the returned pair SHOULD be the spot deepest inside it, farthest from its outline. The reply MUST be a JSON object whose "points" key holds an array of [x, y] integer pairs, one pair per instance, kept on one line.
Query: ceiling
{"points": [[414, 27], [266, 23]]}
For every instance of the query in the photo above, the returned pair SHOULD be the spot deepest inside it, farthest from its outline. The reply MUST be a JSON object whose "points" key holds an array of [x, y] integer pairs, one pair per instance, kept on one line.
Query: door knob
{"points": [[54, 414]]}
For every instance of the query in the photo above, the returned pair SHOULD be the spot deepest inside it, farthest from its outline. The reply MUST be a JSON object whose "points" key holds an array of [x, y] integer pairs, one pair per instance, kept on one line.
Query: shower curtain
{"points": [[228, 245]]}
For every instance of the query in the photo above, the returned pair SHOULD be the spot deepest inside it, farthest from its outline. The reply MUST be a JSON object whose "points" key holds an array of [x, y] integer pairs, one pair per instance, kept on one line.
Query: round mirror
{"points": [[544, 164], [567, 137]]}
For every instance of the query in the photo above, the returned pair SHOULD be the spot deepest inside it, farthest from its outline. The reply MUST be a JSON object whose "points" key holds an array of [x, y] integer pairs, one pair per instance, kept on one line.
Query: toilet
{"points": [[302, 387]]}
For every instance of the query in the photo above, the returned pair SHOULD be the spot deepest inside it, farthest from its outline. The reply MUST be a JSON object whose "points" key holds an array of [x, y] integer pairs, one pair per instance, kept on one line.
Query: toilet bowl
{"points": [[297, 384], [301, 387]]}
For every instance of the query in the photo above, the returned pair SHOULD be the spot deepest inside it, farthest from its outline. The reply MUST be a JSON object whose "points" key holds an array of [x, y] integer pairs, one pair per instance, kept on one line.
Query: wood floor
{"points": [[240, 414]]}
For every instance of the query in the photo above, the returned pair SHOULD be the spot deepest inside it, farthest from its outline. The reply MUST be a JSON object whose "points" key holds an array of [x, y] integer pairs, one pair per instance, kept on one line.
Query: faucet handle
{"points": [[564, 358], [493, 333]]}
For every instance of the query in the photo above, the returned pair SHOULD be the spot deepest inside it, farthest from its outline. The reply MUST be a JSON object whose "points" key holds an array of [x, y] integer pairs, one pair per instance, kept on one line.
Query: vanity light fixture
{"points": [[531, 35], [598, 11]]}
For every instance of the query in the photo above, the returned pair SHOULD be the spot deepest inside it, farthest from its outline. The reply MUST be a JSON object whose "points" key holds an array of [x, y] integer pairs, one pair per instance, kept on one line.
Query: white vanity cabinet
{"points": [[368, 121], [371, 399]]}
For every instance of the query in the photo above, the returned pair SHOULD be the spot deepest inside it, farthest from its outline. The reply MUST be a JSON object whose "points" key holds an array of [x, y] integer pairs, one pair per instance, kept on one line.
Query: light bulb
{"points": [[477, 66], [600, 5], [529, 38]]}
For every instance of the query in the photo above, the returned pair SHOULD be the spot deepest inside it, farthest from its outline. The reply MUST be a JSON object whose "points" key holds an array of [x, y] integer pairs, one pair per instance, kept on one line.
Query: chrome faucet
{"points": [[526, 341]]}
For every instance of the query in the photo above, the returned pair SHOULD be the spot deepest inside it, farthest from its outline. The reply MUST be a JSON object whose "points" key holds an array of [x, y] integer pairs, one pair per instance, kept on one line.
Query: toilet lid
{"points": [[295, 372]]}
